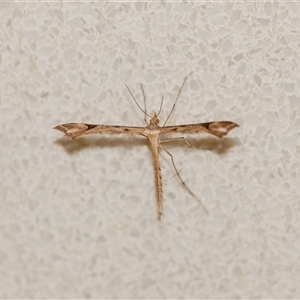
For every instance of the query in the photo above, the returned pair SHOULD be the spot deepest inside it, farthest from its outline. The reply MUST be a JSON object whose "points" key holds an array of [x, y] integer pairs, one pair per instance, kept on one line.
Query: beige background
{"points": [[78, 218]]}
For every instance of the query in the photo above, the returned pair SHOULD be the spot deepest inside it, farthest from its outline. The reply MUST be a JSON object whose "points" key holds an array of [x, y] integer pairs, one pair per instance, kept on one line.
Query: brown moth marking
{"points": [[153, 131]]}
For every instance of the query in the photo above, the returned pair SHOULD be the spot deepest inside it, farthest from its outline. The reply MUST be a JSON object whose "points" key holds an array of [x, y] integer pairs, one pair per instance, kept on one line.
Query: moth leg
{"points": [[176, 139], [173, 107], [161, 105], [182, 181], [145, 105], [144, 111]]}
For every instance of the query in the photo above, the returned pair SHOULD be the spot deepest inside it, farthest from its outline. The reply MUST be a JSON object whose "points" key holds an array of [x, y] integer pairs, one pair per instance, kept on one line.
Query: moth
{"points": [[153, 131]]}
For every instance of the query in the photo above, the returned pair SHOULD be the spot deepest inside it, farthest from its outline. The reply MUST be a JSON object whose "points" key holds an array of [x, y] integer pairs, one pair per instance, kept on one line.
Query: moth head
{"points": [[154, 120]]}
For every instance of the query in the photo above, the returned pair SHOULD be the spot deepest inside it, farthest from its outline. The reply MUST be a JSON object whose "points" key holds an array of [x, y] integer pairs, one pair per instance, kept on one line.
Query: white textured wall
{"points": [[78, 219]]}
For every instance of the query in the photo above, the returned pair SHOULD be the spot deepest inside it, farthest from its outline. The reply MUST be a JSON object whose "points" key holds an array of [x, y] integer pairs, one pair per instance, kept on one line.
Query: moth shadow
{"points": [[219, 146], [76, 145]]}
